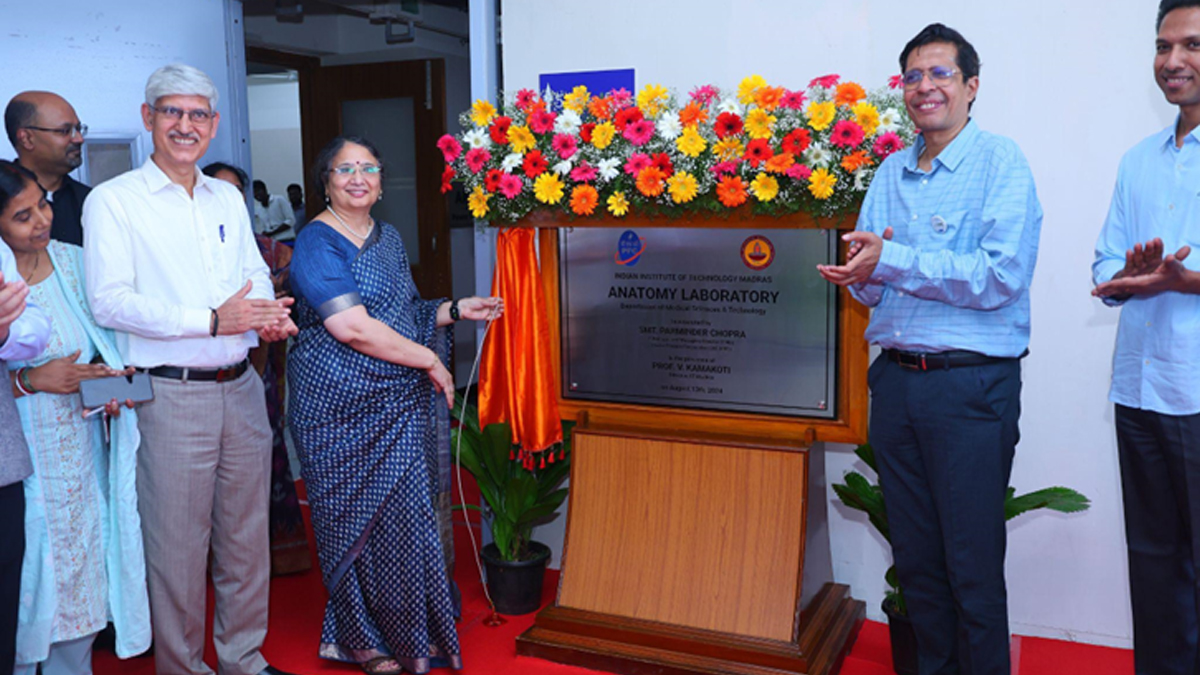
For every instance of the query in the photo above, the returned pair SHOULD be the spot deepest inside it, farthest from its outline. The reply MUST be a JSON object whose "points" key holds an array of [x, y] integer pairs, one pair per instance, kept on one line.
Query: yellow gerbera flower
{"points": [[478, 202], [759, 123], [651, 99], [820, 115], [691, 143], [749, 87], [577, 100], [867, 117], [617, 204], [482, 112], [765, 187], [521, 138], [821, 183], [729, 149], [682, 187], [603, 134], [548, 188]]}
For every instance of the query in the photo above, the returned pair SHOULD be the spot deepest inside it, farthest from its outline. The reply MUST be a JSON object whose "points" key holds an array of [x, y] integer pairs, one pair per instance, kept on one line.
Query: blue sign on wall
{"points": [[597, 81]]}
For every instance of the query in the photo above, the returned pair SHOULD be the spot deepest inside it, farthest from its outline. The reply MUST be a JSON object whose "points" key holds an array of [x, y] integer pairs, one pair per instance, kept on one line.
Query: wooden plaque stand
{"points": [[686, 533]]}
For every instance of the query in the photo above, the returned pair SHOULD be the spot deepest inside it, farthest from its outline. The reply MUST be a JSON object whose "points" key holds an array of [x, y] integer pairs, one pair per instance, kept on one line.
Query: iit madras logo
{"points": [[629, 249], [758, 252]]}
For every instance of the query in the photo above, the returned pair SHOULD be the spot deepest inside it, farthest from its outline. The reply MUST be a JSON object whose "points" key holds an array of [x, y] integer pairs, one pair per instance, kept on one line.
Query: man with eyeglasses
{"points": [[1145, 265], [173, 266], [944, 252], [48, 138]]}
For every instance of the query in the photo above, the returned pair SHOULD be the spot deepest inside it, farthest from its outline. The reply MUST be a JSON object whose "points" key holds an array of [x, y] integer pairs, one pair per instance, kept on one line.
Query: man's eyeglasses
{"points": [[938, 74], [346, 170], [197, 115], [65, 131]]}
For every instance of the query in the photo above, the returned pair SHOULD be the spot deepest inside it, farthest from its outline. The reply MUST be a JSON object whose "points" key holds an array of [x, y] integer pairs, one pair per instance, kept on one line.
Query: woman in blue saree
{"points": [[365, 382]]}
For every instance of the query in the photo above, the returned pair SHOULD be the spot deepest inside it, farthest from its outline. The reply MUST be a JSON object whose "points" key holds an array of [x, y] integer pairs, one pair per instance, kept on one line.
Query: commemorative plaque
{"points": [[719, 319]]}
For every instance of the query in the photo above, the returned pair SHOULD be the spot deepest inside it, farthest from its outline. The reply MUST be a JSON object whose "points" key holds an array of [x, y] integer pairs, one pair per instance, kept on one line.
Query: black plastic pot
{"points": [[904, 641], [516, 587]]}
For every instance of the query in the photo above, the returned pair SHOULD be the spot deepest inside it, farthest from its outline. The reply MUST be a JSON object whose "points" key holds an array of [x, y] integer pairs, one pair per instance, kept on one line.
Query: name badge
{"points": [[938, 223]]}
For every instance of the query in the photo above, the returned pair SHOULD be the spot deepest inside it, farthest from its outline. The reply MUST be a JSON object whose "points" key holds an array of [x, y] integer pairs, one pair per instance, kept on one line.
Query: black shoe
{"points": [[271, 670]]}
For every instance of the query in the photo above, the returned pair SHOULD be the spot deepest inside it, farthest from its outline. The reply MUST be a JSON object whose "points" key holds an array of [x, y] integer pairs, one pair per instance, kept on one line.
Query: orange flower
{"points": [[849, 93], [731, 191], [584, 199], [600, 108], [768, 98], [856, 160], [651, 181], [780, 163], [692, 114]]}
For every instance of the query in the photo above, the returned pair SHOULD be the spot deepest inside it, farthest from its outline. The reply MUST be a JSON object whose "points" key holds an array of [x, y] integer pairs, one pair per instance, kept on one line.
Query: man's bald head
{"points": [[34, 122]]}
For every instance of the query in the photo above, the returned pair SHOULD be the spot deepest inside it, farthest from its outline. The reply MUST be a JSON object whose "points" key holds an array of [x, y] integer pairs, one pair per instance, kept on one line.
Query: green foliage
{"points": [[517, 498], [860, 494]]}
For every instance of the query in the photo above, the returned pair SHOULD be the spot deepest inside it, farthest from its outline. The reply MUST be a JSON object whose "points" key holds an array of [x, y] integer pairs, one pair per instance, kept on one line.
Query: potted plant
{"points": [[860, 494], [517, 496]]}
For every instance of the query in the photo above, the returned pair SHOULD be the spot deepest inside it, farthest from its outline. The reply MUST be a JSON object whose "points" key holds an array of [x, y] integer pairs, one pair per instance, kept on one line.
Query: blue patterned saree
{"points": [[366, 432]]}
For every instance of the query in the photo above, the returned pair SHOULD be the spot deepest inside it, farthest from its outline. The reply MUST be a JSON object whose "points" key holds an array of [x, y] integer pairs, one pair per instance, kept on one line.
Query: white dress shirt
{"points": [[275, 214], [158, 261], [28, 334]]}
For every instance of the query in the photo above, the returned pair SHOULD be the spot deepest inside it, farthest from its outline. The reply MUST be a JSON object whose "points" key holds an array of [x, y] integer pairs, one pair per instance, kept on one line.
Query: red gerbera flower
{"points": [[757, 152], [639, 132], [541, 122], [447, 176], [450, 147], [585, 132], [491, 180], [663, 162], [797, 141], [793, 100], [826, 81], [499, 130], [627, 116], [534, 164], [565, 145], [895, 81], [887, 144], [637, 161], [727, 124], [510, 185], [846, 134], [525, 98]]}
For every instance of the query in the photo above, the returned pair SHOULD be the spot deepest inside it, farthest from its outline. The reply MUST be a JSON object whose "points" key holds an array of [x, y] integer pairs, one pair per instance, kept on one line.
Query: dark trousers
{"points": [[12, 533], [944, 442], [1160, 481]]}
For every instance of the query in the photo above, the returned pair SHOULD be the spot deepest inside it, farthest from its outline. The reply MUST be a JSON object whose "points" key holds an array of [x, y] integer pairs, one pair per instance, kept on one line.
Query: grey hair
{"points": [[178, 79]]}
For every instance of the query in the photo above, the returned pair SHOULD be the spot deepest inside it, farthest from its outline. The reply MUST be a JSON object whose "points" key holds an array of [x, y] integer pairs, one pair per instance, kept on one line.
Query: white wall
{"points": [[275, 144], [1074, 88], [98, 56]]}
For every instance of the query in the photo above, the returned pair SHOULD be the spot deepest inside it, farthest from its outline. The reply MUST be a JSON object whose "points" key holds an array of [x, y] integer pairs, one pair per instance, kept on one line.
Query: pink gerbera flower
{"points": [[477, 158], [728, 167], [896, 81], [639, 132], [525, 99], [584, 173], [541, 121], [565, 145], [637, 161], [887, 144], [799, 172], [621, 98], [793, 100], [450, 147], [510, 185], [846, 134], [827, 81], [704, 95]]}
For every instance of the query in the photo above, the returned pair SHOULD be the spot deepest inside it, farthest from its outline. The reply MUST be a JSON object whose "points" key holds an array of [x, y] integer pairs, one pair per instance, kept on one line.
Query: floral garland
{"points": [[776, 150]]}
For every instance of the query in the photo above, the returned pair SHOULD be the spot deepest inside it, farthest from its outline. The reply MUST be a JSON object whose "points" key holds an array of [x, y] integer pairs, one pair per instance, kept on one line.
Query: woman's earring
{"points": [[380, 196]]}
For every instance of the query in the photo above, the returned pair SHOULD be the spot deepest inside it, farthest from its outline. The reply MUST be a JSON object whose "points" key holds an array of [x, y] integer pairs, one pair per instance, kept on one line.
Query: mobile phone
{"points": [[98, 392]]}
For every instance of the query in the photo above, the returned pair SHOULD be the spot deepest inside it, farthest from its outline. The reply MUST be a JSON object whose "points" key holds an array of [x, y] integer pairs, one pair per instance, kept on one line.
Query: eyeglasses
{"points": [[65, 131], [938, 74], [347, 170], [197, 115]]}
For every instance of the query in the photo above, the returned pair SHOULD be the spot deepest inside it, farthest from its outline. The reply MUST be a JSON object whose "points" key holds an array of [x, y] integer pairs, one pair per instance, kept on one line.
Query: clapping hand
{"points": [[12, 304], [1147, 272], [239, 314], [862, 256]]}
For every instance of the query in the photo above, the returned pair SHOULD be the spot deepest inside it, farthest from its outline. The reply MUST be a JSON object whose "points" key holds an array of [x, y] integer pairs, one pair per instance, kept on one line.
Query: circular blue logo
{"points": [[629, 249]]}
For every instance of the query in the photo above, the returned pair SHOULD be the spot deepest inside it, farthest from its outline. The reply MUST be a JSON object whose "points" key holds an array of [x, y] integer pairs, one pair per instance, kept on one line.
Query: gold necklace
{"points": [[37, 258], [361, 237]]}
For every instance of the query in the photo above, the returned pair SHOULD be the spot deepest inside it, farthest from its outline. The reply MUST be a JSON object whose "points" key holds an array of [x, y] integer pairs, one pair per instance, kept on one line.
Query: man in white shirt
{"points": [[273, 216], [172, 265]]}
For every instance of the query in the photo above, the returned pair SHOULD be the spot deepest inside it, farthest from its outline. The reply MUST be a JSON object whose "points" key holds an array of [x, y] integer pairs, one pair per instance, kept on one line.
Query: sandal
{"points": [[382, 665]]}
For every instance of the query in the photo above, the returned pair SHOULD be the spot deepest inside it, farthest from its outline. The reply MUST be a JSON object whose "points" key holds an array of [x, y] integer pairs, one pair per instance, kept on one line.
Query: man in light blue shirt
{"points": [[1156, 366], [944, 252]]}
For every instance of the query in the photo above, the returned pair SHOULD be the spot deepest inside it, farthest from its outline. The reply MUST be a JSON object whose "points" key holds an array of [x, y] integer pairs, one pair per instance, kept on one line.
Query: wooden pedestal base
{"points": [[828, 628]]}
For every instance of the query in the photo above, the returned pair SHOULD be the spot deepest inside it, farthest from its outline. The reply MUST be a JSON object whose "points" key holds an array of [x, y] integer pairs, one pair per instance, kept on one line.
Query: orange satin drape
{"points": [[516, 380]]}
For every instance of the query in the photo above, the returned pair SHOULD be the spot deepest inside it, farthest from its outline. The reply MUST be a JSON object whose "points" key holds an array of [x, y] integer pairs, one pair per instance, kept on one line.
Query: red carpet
{"points": [[298, 601]]}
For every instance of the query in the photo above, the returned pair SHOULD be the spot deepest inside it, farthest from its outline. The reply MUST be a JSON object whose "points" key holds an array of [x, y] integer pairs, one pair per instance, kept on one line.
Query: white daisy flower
{"points": [[862, 177], [609, 168], [669, 126], [889, 120], [567, 122], [730, 105], [816, 155], [562, 168], [511, 161], [477, 138]]}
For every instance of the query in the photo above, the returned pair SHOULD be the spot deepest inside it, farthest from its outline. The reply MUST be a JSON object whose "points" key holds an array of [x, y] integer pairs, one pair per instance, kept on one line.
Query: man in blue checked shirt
{"points": [[1156, 367], [945, 248]]}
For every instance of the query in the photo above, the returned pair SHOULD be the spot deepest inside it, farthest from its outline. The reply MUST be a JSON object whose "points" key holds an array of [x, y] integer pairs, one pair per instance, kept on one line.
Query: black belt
{"points": [[199, 374], [942, 360]]}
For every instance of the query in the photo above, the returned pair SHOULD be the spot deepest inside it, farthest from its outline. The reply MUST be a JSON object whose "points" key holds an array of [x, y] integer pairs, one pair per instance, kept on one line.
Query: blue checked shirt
{"points": [[965, 240], [1156, 365]]}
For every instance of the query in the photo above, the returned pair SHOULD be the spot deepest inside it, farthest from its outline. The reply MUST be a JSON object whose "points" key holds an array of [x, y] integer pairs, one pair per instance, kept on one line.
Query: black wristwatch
{"points": [[455, 315]]}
